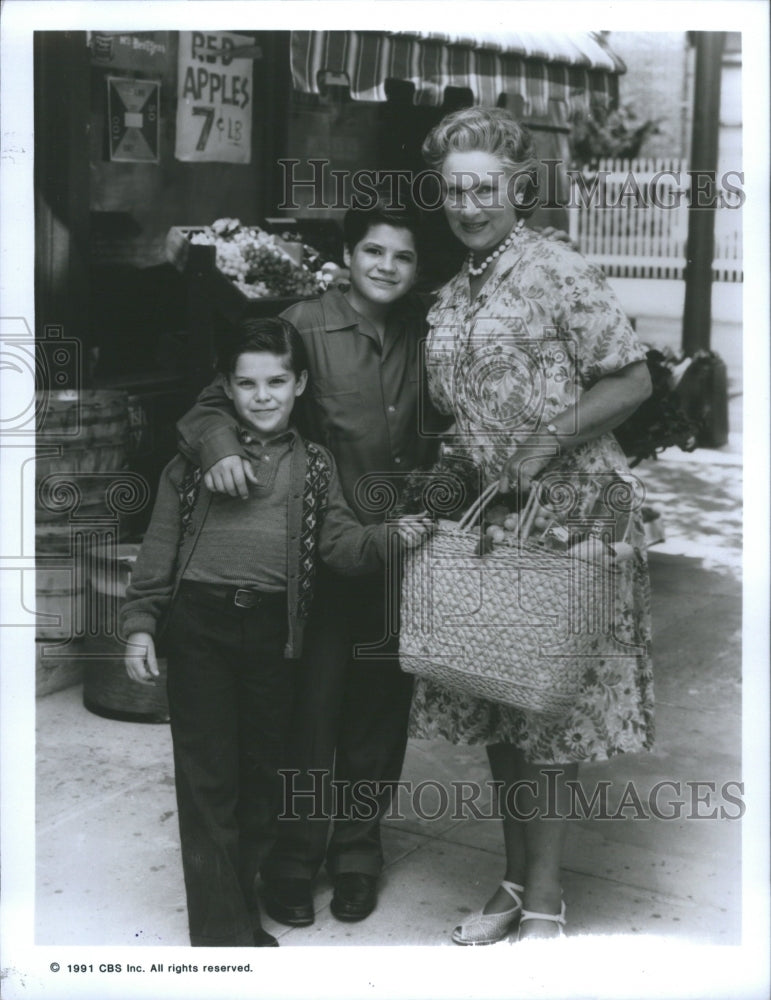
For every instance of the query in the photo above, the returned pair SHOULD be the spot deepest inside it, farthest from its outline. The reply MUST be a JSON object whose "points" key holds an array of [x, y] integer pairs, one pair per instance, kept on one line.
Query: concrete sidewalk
{"points": [[108, 866]]}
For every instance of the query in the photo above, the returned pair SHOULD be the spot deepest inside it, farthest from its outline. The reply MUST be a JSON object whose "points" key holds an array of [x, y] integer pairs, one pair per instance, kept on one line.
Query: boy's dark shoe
{"points": [[261, 937], [289, 901], [264, 940], [355, 896]]}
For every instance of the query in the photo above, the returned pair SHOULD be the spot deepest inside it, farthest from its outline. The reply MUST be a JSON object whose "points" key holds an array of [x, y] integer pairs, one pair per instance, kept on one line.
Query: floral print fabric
{"points": [[543, 329]]}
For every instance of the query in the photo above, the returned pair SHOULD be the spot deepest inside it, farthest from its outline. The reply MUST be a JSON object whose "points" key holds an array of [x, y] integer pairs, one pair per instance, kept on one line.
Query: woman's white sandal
{"points": [[555, 918], [488, 928]]}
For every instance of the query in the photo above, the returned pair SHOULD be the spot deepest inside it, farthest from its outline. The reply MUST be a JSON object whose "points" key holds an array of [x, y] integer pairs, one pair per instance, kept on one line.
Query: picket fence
{"points": [[631, 233]]}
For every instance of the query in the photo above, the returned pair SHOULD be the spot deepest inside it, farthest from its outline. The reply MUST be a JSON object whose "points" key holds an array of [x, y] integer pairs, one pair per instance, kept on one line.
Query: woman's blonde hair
{"points": [[491, 130]]}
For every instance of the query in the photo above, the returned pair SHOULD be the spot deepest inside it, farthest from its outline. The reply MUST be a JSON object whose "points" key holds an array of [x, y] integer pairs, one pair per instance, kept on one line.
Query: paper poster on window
{"points": [[133, 118], [214, 98]]}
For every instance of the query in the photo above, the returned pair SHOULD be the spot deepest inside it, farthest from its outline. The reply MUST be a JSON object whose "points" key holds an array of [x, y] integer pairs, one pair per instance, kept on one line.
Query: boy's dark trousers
{"points": [[230, 693], [350, 723]]}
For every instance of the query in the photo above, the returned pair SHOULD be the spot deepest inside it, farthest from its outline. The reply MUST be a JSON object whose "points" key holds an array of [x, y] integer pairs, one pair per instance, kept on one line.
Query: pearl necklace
{"points": [[476, 271]]}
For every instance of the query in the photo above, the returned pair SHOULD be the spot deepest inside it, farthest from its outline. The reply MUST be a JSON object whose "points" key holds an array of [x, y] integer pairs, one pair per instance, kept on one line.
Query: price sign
{"points": [[214, 98], [133, 119]]}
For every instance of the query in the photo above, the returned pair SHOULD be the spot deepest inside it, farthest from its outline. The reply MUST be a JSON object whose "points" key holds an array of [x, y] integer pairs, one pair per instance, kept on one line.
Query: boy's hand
{"points": [[414, 530], [141, 662], [230, 475]]}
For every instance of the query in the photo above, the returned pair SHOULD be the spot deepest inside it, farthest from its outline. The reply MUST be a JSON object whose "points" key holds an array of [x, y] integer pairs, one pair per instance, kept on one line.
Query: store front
{"points": [[141, 138], [141, 133]]}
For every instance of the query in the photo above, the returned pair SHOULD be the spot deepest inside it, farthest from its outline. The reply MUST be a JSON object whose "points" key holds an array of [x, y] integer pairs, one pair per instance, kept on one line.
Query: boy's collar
{"points": [[248, 436], [339, 314]]}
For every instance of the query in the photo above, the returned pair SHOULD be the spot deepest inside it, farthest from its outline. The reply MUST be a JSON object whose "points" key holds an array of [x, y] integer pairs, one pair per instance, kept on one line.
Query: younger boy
{"points": [[231, 583]]}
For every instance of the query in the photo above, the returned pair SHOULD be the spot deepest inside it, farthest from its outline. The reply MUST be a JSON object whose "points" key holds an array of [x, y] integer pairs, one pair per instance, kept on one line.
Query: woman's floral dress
{"points": [[544, 328]]}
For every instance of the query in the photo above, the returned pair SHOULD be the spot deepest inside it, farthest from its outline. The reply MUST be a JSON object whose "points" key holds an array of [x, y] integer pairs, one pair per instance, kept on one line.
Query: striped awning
{"points": [[538, 66]]}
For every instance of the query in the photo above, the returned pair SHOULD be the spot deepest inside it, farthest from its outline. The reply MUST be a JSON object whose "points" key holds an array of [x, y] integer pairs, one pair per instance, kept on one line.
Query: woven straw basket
{"points": [[515, 625]]}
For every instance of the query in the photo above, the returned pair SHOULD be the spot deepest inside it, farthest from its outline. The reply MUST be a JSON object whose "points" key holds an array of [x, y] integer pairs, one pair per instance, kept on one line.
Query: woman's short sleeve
{"points": [[605, 340]]}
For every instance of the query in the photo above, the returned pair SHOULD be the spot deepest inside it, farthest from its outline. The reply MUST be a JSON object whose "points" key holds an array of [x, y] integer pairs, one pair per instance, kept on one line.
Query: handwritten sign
{"points": [[214, 98]]}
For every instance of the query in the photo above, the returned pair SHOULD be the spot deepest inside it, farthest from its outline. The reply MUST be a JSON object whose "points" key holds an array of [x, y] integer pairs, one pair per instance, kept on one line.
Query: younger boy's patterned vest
{"points": [[315, 491]]}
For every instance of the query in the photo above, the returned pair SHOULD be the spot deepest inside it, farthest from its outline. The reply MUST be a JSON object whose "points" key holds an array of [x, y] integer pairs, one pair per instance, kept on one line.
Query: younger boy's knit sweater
{"points": [[320, 525]]}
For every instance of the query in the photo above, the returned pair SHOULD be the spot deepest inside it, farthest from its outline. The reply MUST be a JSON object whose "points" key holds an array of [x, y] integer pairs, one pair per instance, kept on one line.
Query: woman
{"points": [[530, 352]]}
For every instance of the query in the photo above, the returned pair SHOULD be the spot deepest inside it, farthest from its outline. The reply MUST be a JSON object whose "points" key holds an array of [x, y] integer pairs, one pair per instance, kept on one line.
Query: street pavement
{"points": [[108, 865]]}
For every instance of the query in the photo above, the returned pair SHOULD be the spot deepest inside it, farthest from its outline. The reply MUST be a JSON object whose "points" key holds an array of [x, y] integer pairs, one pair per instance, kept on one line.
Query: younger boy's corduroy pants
{"points": [[230, 692]]}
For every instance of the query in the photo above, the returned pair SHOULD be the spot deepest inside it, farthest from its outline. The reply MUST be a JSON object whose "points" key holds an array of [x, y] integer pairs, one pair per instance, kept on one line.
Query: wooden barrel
{"points": [[57, 666], [79, 434], [107, 689], [59, 595], [80, 416]]}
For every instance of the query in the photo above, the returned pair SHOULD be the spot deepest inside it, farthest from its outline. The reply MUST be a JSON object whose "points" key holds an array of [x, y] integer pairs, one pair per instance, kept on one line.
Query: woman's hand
{"points": [[414, 530], [230, 475], [520, 470], [141, 663]]}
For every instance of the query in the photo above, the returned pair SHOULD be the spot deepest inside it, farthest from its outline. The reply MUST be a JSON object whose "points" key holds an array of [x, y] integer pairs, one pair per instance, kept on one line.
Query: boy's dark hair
{"points": [[386, 210], [271, 335]]}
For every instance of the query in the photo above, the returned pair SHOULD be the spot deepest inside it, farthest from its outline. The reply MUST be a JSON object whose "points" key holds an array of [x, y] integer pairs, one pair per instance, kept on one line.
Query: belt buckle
{"points": [[245, 598]]}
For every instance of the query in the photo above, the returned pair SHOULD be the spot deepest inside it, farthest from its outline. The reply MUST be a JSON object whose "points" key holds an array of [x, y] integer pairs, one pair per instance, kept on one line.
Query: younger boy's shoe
{"points": [[289, 901], [261, 937], [355, 896], [264, 940]]}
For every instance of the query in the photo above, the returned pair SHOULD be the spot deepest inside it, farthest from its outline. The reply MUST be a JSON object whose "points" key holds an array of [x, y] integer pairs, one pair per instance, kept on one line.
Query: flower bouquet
{"points": [[262, 264]]}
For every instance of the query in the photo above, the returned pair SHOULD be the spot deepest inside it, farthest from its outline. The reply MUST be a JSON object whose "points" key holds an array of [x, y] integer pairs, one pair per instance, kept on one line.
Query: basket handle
{"points": [[475, 510], [527, 517], [478, 506]]}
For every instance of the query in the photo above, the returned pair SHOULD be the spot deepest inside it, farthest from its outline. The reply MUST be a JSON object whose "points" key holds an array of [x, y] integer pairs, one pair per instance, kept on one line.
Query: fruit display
{"points": [[262, 264]]}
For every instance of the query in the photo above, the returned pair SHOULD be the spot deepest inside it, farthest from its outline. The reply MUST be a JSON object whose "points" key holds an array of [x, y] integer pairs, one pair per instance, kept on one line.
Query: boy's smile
{"points": [[383, 267], [263, 390]]}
